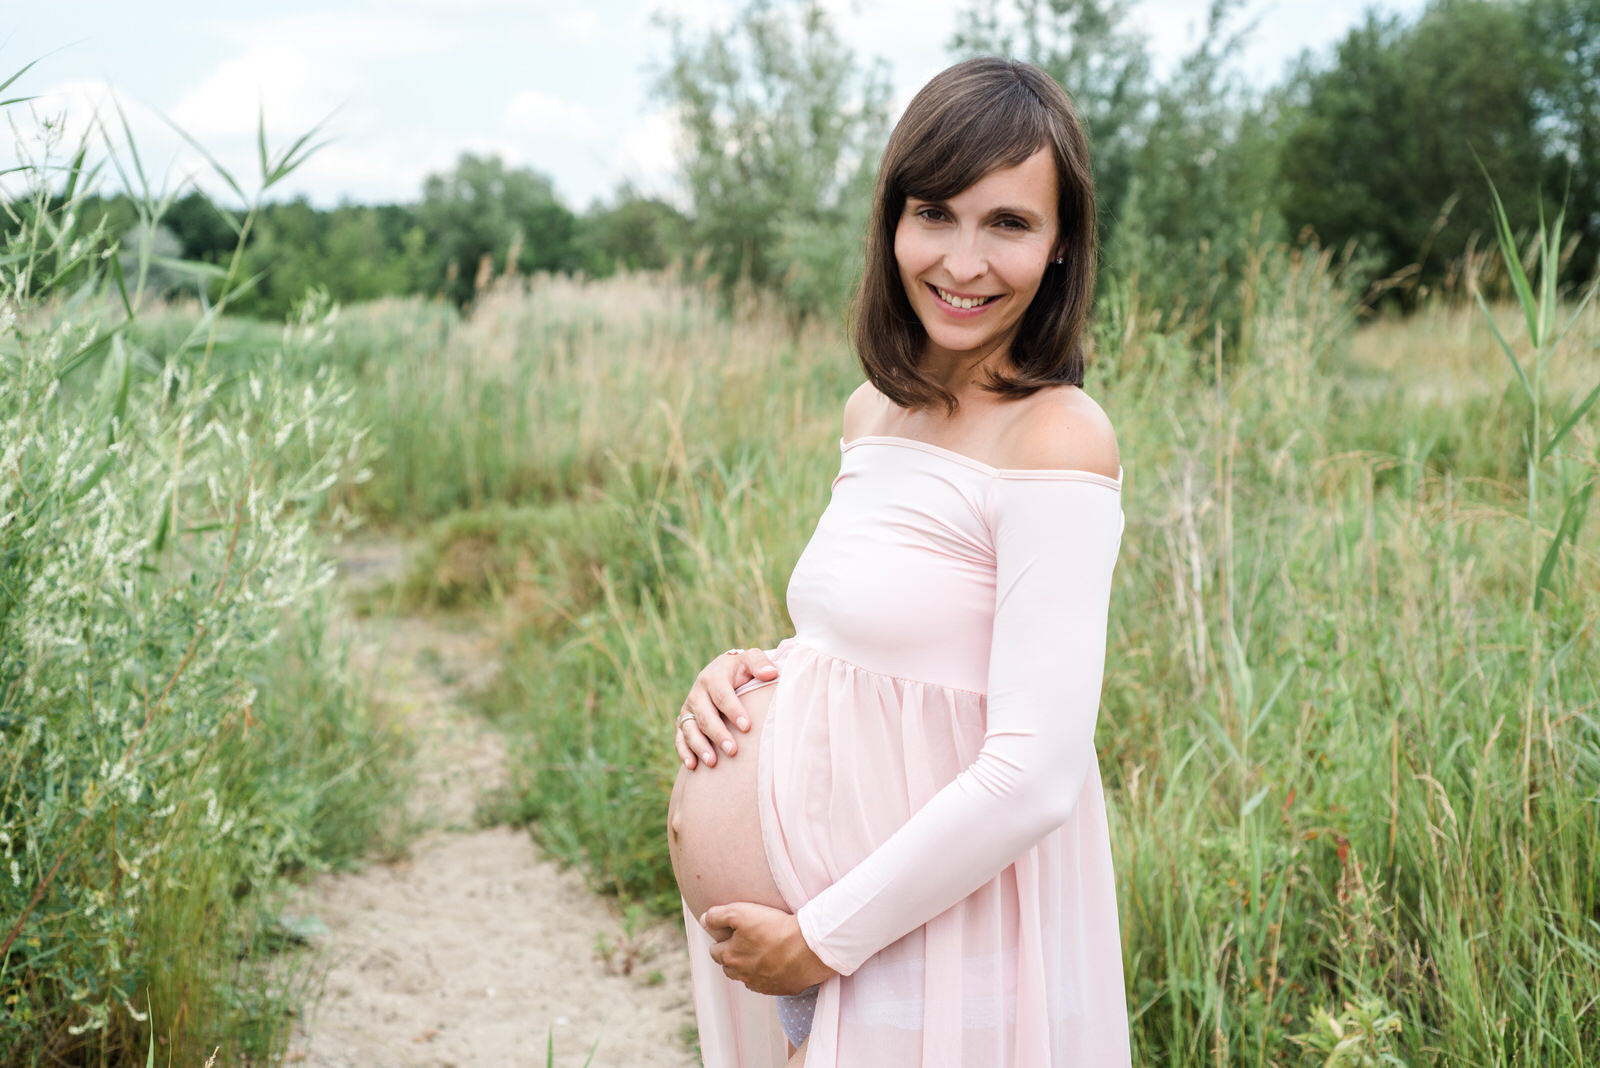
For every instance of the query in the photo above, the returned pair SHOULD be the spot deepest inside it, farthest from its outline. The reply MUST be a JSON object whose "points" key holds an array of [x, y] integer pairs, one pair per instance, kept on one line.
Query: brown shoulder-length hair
{"points": [[976, 117]]}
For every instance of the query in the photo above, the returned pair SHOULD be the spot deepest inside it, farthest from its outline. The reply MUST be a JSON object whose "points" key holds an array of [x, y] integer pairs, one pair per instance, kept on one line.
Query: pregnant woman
{"points": [[904, 834]]}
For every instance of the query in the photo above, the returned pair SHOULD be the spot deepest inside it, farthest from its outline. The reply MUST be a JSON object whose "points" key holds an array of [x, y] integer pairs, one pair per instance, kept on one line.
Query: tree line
{"points": [[1385, 149]]}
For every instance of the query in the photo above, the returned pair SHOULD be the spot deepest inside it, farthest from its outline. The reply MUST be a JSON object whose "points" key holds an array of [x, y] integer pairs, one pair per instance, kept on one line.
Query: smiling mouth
{"points": [[962, 303]]}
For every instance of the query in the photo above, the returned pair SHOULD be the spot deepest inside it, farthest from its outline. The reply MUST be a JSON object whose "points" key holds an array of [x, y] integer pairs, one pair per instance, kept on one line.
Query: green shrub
{"points": [[179, 731]]}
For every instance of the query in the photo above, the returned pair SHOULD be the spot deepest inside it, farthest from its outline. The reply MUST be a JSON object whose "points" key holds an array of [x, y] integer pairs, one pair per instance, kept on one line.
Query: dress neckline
{"points": [[1063, 474]]}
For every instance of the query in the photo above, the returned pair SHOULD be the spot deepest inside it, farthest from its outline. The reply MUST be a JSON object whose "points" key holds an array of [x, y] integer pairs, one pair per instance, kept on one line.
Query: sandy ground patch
{"points": [[474, 949]]}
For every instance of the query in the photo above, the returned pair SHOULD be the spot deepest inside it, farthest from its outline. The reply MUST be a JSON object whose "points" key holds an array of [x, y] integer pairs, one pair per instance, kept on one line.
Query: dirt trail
{"points": [[474, 949]]}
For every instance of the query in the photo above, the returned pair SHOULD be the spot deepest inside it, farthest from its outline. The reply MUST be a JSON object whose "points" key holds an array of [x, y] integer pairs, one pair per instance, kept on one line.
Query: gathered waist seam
{"points": [[795, 640]]}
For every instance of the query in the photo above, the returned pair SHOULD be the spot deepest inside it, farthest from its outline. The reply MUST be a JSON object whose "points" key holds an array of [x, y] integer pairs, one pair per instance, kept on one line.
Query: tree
{"points": [[1567, 103], [635, 233], [483, 208], [782, 130], [1392, 142]]}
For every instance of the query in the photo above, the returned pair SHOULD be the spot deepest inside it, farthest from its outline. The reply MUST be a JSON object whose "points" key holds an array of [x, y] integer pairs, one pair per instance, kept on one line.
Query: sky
{"points": [[401, 88]]}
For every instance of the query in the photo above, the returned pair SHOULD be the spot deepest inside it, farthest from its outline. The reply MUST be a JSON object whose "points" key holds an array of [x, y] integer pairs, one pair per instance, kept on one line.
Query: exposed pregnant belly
{"points": [[714, 826]]}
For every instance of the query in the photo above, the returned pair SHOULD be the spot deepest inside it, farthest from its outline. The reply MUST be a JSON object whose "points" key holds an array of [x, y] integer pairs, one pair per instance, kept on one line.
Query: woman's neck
{"points": [[964, 374]]}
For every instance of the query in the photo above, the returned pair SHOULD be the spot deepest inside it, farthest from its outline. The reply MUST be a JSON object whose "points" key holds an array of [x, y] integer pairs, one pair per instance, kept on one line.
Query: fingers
{"points": [[681, 744], [692, 744], [714, 704], [759, 664], [718, 706]]}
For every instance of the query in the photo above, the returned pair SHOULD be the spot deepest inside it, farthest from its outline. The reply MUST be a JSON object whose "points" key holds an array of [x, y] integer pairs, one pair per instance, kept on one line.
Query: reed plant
{"points": [[179, 728], [1354, 779]]}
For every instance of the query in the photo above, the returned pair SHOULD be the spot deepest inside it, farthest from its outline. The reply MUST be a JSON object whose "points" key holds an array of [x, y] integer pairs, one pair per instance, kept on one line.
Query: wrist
{"points": [[812, 967]]}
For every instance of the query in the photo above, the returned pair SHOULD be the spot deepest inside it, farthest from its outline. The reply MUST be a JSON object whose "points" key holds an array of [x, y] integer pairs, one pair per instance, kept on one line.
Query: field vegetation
{"points": [[181, 732], [1351, 727], [1350, 730]]}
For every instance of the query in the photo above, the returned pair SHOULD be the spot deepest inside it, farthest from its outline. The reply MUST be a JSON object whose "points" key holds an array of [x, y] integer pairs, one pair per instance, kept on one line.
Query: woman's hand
{"points": [[712, 705], [763, 948]]}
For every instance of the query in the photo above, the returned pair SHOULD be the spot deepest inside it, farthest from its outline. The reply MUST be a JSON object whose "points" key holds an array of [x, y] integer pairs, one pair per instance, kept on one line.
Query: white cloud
{"points": [[533, 112], [299, 69], [49, 129], [647, 155], [578, 24]]}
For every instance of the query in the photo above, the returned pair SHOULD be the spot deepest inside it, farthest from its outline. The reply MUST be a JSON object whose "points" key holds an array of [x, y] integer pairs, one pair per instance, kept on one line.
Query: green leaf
{"points": [[1505, 346], [122, 284], [119, 402], [75, 168], [1513, 260], [1577, 312], [198, 268], [163, 527], [1572, 420], [222, 171], [133, 150], [94, 478], [9, 81], [1571, 520], [87, 353], [1254, 802]]}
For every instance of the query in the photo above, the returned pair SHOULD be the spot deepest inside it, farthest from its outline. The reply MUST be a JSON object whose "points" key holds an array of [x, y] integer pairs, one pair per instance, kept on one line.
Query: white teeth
{"points": [[960, 302]]}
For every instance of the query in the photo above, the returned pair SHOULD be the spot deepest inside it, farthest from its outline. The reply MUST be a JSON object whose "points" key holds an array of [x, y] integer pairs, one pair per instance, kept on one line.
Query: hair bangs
{"points": [[962, 149]]}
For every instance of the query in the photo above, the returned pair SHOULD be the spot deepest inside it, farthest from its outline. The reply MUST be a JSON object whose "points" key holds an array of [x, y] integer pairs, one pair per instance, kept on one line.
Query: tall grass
{"points": [[179, 730], [1354, 779]]}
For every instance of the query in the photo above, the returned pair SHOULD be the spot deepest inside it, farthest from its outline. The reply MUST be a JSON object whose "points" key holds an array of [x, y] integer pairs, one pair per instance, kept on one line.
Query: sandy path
{"points": [[474, 949]]}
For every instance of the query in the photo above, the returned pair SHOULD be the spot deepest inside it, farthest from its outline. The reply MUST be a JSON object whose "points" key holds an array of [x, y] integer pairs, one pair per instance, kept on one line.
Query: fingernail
{"points": [[688, 763], [727, 746], [710, 757], [744, 724]]}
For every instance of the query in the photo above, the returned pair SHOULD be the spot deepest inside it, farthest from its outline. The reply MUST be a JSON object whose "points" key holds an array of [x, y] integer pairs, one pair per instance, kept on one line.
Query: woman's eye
{"points": [[930, 214], [1012, 223]]}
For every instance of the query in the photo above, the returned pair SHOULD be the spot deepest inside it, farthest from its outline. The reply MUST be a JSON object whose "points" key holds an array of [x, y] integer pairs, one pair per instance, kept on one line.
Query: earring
{"points": [[1060, 259]]}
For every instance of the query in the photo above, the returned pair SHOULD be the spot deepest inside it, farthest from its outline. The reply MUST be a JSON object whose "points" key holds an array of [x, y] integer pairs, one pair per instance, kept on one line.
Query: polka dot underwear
{"points": [[795, 1012]]}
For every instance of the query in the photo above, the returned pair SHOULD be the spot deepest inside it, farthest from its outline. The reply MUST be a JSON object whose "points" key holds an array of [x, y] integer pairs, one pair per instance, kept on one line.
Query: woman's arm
{"points": [[1056, 539]]}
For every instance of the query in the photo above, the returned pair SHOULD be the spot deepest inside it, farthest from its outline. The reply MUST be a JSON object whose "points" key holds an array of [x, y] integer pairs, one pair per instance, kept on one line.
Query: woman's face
{"points": [[971, 264]]}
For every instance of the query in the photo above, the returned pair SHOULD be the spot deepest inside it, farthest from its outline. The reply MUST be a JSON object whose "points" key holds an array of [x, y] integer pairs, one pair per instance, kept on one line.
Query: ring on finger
{"points": [[686, 717]]}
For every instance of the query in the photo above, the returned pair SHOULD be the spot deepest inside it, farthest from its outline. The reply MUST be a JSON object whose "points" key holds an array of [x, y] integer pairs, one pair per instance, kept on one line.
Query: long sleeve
{"points": [[1056, 536]]}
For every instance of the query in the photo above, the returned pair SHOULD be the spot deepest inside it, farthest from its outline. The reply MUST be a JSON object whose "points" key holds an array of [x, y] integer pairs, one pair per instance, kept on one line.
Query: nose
{"points": [[965, 257]]}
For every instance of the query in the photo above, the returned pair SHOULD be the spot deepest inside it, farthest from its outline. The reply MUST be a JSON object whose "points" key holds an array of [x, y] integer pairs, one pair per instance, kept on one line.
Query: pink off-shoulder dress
{"points": [[930, 800]]}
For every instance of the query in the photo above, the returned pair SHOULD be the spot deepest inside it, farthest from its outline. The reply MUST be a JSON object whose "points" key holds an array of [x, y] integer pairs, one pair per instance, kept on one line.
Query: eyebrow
{"points": [[1004, 209]]}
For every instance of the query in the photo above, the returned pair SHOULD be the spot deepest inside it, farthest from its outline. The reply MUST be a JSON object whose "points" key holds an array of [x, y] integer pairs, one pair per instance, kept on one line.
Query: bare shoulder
{"points": [[1061, 428], [861, 410]]}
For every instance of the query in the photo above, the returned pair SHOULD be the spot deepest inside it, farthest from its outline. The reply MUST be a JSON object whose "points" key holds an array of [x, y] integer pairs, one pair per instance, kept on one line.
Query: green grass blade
{"points": [[133, 149], [295, 155], [158, 540], [1513, 260], [1505, 346], [1549, 270], [1572, 420], [75, 168], [85, 354], [1576, 314], [199, 268], [122, 283], [261, 135], [1567, 530], [119, 402], [216, 165], [12, 80]]}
